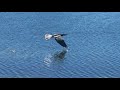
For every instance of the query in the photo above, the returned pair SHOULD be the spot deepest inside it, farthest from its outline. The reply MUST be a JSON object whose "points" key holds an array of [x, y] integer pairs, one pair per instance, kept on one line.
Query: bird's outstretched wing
{"points": [[61, 42], [63, 34]]}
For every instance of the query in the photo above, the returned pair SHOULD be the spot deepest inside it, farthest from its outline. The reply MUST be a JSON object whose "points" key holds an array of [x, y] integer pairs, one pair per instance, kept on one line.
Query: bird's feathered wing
{"points": [[61, 42]]}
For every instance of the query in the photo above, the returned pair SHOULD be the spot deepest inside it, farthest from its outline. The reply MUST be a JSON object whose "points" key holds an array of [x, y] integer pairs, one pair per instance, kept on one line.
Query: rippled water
{"points": [[93, 40]]}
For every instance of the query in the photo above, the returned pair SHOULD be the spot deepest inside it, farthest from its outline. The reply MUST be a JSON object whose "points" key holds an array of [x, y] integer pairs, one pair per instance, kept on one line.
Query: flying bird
{"points": [[58, 38]]}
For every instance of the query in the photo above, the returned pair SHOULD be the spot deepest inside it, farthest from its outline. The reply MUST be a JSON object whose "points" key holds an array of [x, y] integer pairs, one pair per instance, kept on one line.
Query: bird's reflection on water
{"points": [[60, 55], [57, 56]]}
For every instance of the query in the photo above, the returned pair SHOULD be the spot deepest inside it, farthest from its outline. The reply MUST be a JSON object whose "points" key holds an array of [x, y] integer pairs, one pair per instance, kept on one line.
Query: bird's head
{"points": [[48, 36]]}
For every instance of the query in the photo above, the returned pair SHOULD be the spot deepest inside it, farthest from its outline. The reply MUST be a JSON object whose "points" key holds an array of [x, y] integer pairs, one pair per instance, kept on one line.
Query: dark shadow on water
{"points": [[57, 57], [60, 55]]}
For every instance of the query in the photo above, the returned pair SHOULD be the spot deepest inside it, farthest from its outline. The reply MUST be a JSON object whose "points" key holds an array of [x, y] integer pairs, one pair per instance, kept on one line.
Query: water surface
{"points": [[93, 40]]}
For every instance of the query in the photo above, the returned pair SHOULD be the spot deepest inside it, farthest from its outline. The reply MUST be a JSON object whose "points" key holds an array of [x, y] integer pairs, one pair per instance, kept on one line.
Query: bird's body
{"points": [[58, 38]]}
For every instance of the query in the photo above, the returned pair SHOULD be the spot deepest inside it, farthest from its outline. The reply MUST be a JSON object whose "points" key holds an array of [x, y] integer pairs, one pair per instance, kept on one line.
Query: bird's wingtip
{"points": [[65, 49]]}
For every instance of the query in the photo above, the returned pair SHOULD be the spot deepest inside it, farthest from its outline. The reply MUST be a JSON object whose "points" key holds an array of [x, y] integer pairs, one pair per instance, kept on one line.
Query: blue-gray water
{"points": [[93, 40]]}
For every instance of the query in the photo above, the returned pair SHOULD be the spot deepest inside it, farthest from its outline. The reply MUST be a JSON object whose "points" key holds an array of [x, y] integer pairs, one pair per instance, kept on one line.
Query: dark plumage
{"points": [[61, 42], [58, 38]]}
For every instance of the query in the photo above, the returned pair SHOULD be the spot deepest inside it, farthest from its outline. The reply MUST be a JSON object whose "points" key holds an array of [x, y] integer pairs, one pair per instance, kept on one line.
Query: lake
{"points": [[93, 45]]}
